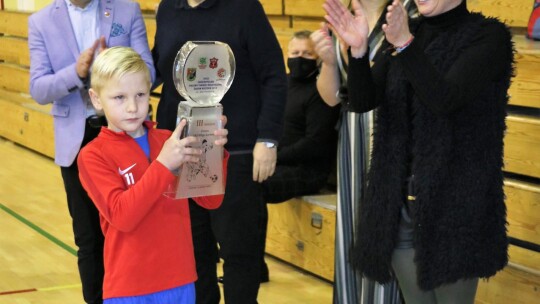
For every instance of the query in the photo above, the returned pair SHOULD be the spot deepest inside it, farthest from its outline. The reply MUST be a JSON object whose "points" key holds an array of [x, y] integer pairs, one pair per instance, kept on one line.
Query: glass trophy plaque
{"points": [[203, 71]]}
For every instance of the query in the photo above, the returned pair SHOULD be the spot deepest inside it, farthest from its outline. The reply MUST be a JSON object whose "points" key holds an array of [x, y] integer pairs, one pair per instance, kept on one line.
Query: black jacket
{"points": [[454, 151], [255, 103]]}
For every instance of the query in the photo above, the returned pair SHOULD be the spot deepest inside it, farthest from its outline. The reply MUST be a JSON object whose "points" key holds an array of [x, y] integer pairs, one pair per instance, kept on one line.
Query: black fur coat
{"points": [[459, 213]]}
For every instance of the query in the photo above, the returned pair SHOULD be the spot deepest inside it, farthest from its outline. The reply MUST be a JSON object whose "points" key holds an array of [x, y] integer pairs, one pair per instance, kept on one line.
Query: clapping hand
{"points": [[86, 58], [396, 28], [351, 28], [323, 45]]}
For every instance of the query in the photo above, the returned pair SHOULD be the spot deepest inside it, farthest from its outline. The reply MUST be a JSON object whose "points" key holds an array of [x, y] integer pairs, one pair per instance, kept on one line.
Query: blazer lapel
{"points": [[106, 15], [61, 16]]}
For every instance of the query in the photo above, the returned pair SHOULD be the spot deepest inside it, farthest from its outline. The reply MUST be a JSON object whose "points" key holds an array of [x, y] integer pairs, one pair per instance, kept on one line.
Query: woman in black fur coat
{"points": [[434, 213]]}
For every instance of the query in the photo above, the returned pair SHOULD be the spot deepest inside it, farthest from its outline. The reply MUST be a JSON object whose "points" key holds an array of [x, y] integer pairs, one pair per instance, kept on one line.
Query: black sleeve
{"points": [[366, 85], [267, 60], [320, 136], [446, 91]]}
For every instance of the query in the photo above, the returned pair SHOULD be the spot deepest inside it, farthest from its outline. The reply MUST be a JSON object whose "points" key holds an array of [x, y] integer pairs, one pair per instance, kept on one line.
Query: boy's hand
{"points": [[221, 133], [176, 151]]}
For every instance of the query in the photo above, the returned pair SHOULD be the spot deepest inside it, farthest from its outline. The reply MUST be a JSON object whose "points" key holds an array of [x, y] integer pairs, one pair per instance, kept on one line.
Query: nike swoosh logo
{"points": [[122, 172]]}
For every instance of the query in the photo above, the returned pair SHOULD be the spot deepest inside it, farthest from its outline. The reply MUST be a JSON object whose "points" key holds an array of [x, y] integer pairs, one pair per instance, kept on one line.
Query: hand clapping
{"points": [[396, 28], [352, 29]]}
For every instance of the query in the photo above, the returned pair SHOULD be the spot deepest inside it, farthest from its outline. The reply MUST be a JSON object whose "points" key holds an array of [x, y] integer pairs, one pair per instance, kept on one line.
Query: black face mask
{"points": [[301, 68]]}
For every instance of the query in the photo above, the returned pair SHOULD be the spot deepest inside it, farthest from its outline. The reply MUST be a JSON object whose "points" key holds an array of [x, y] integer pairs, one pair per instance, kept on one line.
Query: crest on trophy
{"points": [[203, 72]]}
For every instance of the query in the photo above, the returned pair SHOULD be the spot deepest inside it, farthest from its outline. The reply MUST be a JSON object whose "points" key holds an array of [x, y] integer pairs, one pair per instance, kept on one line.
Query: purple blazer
{"points": [[53, 56]]}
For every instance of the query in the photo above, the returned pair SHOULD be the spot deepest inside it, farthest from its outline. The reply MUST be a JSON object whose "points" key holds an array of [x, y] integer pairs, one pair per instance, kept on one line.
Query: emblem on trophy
{"points": [[203, 72]]}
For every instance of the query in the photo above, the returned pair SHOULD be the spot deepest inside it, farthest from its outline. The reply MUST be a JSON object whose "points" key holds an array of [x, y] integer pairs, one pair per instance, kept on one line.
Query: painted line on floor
{"points": [[60, 287], [48, 236], [4, 293], [17, 291], [39, 230]]}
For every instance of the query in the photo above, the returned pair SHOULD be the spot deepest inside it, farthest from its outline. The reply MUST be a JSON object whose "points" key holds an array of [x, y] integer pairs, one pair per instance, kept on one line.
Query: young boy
{"points": [[148, 247]]}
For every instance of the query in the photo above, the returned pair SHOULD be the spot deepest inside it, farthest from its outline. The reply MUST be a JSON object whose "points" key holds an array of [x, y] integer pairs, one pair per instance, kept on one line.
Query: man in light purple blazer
{"points": [[64, 38]]}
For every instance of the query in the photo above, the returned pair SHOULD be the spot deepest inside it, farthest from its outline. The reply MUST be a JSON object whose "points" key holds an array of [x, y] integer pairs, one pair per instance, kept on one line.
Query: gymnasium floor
{"points": [[37, 254]]}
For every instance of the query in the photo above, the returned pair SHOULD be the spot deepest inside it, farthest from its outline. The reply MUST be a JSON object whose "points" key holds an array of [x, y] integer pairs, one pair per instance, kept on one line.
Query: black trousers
{"points": [[86, 229], [235, 226]]}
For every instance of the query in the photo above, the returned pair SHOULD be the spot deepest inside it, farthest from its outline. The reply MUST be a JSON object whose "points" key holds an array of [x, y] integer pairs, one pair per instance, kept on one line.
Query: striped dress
{"points": [[354, 149]]}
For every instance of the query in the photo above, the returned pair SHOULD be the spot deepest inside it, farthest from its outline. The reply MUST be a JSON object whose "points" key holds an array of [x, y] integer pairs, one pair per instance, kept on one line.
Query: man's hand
{"points": [[264, 162], [85, 60]]}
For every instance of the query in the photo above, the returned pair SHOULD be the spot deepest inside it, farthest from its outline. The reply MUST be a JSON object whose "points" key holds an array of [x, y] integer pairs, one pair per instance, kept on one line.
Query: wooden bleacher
{"points": [[295, 234]]}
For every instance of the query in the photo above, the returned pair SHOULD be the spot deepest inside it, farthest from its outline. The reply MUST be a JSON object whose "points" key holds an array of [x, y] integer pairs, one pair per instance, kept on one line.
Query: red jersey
{"points": [[148, 245]]}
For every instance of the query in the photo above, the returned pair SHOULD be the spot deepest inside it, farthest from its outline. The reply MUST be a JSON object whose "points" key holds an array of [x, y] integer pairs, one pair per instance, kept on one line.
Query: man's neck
{"points": [[80, 3], [195, 3]]}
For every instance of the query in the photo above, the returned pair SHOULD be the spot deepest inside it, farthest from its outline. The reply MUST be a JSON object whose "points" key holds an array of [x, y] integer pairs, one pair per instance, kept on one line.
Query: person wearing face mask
{"points": [[306, 155]]}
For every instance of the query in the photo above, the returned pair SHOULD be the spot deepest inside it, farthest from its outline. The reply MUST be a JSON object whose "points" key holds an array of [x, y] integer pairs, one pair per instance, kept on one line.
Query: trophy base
{"points": [[205, 177]]}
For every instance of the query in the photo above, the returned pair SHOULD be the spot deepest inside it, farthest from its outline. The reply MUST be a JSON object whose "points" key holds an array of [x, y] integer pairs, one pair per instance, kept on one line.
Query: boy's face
{"points": [[125, 103]]}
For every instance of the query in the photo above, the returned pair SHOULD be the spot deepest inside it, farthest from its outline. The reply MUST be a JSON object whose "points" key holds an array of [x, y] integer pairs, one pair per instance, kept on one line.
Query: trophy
{"points": [[203, 71]]}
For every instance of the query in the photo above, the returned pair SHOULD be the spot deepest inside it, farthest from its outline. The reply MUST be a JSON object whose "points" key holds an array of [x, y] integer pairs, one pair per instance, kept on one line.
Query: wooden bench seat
{"points": [[522, 145], [27, 123], [301, 231], [517, 283], [523, 210], [525, 88], [15, 50], [515, 13]]}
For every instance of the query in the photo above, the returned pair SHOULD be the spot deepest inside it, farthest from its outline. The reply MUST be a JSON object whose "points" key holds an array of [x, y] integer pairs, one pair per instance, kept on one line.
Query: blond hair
{"points": [[116, 62]]}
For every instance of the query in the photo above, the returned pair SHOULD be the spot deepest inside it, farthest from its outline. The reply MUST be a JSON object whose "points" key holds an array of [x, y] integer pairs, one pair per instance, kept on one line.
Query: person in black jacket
{"points": [[307, 150], [434, 211], [254, 107]]}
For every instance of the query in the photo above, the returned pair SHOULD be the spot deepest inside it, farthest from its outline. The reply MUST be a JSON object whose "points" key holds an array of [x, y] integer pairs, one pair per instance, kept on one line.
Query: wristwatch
{"points": [[269, 145]]}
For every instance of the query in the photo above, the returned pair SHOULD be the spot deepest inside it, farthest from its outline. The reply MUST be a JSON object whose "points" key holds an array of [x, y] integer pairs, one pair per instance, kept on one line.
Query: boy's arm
{"points": [[214, 201], [123, 209]]}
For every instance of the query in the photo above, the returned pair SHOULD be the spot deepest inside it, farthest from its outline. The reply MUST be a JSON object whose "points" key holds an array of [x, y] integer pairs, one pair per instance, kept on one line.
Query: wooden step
{"points": [[148, 5], [525, 88], [14, 50], [272, 7], [518, 283], [14, 78], [27, 123], [301, 231], [306, 8], [14, 23], [523, 210], [522, 145], [515, 13]]}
